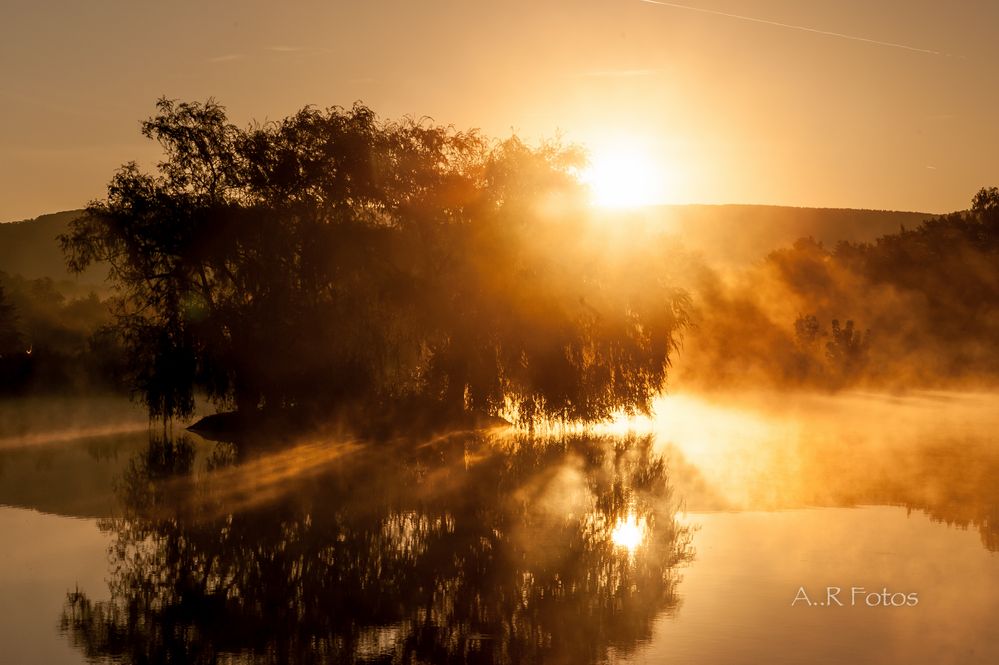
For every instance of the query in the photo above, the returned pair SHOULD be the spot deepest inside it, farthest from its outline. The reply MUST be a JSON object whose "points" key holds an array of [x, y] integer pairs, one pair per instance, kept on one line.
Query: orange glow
{"points": [[629, 532], [624, 175]]}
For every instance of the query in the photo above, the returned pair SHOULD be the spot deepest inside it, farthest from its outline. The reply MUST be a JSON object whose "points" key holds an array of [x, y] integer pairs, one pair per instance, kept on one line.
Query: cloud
{"points": [[284, 49], [801, 28], [228, 57]]}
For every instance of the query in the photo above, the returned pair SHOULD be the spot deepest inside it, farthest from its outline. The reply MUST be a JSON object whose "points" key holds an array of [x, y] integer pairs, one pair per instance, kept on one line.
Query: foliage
{"points": [[51, 343], [921, 307], [847, 349], [10, 338], [333, 257], [807, 330]]}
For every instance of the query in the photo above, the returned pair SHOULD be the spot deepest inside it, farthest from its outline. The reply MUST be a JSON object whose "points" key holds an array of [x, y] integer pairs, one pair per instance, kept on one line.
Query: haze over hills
{"points": [[740, 234], [731, 234], [30, 248]]}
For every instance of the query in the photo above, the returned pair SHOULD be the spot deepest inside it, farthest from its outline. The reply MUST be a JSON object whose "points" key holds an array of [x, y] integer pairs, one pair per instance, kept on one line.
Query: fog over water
{"points": [[765, 493]]}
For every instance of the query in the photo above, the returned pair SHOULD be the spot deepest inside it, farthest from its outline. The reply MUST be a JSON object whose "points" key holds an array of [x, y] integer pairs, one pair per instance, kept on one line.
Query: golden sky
{"points": [[837, 103]]}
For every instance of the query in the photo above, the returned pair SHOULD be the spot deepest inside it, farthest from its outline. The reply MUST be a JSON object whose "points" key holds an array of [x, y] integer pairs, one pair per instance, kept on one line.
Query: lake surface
{"points": [[686, 539]]}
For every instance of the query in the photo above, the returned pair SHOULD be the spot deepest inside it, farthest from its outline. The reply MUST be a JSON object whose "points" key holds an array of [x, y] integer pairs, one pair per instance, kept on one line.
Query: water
{"points": [[685, 541]]}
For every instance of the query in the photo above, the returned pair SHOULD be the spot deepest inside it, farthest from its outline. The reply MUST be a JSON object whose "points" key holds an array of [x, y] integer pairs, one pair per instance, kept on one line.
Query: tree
{"points": [[848, 348], [332, 257], [986, 200], [807, 330], [10, 338]]}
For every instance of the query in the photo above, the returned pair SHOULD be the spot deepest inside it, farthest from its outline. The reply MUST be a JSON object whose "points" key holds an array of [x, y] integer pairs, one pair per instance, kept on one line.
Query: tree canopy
{"points": [[919, 307], [333, 257], [10, 338]]}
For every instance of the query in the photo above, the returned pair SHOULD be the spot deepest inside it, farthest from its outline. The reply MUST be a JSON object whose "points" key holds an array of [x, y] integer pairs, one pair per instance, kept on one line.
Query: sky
{"points": [[830, 103]]}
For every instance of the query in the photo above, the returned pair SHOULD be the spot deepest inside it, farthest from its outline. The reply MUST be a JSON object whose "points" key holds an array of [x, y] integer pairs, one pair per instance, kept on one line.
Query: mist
{"points": [[907, 310]]}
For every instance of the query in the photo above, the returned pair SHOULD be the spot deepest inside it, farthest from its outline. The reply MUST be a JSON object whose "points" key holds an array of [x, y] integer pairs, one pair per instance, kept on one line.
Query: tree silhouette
{"points": [[333, 258], [848, 348], [10, 338], [807, 330], [15, 368], [986, 201]]}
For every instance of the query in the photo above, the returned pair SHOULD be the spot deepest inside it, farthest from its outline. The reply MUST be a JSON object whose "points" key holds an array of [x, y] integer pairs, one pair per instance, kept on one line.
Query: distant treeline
{"points": [[53, 343], [736, 235], [919, 307]]}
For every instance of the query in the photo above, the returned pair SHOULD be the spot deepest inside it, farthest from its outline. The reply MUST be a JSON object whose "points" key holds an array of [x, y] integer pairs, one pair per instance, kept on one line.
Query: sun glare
{"points": [[628, 533], [623, 176]]}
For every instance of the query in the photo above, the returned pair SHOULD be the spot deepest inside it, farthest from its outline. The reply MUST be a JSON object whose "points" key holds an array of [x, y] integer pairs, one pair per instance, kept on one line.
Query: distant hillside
{"points": [[726, 233], [744, 233], [30, 248]]}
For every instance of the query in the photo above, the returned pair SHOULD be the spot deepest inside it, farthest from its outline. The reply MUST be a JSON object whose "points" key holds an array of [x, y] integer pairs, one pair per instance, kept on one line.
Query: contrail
{"points": [[802, 28]]}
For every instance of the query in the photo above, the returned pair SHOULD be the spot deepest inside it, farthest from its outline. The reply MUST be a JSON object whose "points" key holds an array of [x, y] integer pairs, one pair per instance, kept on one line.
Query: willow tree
{"points": [[333, 257]]}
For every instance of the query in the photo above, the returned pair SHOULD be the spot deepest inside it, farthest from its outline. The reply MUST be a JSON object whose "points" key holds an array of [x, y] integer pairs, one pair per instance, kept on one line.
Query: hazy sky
{"points": [[845, 103]]}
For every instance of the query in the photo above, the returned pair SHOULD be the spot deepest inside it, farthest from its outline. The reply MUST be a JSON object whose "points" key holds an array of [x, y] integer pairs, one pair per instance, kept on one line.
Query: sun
{"points": [[623, 175]]}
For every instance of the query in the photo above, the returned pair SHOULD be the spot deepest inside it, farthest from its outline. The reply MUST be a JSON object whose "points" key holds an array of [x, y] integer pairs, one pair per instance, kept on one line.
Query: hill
{"points": [[740, 234], [30, 248], [733, 234]]}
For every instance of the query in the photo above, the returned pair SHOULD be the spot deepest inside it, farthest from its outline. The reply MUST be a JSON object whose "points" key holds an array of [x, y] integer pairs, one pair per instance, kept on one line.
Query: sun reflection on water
{"points": [[629, 532]]}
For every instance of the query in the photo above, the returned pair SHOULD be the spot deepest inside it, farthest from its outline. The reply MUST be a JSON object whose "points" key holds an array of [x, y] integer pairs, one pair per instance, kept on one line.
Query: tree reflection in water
{"points": [[470, 549]]}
